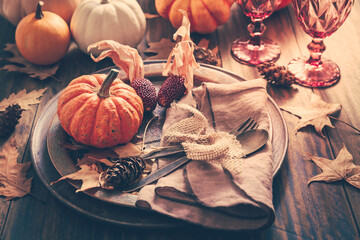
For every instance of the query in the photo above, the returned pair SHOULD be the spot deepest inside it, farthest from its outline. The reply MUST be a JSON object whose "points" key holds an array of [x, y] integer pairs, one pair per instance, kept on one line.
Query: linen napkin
{"points": [[205, 193]]}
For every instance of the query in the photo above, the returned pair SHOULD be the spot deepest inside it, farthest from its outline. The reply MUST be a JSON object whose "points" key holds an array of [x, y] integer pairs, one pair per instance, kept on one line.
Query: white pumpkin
{"points": [[15, 10], [119, 20]]}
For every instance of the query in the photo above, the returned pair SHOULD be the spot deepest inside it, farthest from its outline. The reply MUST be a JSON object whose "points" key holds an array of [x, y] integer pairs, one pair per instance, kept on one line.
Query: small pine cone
{"points": [[203, 55], [9, 119], [276, 75], [124, 171]]}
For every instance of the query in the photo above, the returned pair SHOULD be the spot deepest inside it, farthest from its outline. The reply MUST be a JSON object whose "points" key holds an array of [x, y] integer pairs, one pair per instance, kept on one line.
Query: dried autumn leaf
{"points": [[127, 150], [342, 168], [103, 155], [315, 113], [89, 160], [23, 99], [159, 50], [89, 175], [17, 63], [13, 181]]}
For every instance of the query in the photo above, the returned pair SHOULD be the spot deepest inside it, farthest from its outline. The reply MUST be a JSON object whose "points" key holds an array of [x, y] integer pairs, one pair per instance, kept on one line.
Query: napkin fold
{"points": [[205, 193]]}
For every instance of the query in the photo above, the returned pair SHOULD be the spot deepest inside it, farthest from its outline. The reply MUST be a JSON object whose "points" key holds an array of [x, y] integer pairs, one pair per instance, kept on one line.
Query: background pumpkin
{"points": [[100, 117], [205, 16], [15, 10], [119, 20], [38, 33]]}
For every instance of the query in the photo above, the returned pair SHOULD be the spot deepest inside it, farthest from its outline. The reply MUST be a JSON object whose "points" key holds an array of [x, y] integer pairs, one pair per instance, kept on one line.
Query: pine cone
{"points": [[203, 55], [276, 75], [124, 171], [9, 119]]}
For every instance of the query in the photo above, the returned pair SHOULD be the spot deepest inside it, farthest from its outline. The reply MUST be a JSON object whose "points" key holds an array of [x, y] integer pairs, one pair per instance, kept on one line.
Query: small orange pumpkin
{"points": [[42, 38], [99, 110], [205, 16]]}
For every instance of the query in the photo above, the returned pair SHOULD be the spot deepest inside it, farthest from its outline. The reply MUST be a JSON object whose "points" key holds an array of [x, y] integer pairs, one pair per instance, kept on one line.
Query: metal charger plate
{"points": [[113, 206]]}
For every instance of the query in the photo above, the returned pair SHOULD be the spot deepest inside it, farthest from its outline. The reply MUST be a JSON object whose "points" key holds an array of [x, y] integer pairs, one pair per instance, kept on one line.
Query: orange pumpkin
{"points": [[99, 110], [205, 16], [42, 38]]}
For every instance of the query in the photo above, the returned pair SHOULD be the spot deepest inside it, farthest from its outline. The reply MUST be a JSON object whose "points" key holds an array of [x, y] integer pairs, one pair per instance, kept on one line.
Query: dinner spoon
{"points": [[251, 141]]}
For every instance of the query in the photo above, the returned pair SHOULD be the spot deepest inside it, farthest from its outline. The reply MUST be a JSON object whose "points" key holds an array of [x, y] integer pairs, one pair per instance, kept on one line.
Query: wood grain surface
{"points": [[316, 211]]}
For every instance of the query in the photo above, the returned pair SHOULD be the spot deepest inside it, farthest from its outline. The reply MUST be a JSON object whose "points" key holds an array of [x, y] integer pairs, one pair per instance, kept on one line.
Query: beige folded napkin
{"points": [[207, 193]]}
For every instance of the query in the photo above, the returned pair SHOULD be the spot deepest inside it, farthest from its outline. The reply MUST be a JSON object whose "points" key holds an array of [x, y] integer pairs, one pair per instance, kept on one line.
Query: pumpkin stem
{"points": [[39, 14], [104, 91], [104, 1]]}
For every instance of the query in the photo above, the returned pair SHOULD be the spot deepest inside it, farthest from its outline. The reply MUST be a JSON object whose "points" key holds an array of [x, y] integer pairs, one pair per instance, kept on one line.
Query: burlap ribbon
{"points": [[199, 144]]}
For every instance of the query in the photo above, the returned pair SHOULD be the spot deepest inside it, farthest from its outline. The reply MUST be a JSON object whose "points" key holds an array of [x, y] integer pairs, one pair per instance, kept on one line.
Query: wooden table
{"points": [[318, 211]]}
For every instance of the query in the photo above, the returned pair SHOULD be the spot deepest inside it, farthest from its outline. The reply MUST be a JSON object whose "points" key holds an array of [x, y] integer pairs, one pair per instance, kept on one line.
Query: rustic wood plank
{"points": [[12, 82], [341, 48], [301, 211], [315, 198], [318, 211]]}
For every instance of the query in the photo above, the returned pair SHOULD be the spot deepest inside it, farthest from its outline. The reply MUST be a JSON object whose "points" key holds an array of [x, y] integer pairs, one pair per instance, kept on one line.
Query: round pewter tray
{"points": [[113, 206]]}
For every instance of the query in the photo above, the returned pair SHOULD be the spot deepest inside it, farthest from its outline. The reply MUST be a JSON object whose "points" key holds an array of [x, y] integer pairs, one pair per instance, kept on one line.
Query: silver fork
{"points": [[247, 125]]}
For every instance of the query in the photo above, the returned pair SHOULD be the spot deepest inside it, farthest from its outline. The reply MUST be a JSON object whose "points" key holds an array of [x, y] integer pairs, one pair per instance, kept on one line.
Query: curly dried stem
{"points": [[147, 125], [345, 123]]}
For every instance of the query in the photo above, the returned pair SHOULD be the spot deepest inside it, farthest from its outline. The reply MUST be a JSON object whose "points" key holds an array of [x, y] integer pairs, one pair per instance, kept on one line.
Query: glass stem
{"points": [[256, 29], [316, 48]]}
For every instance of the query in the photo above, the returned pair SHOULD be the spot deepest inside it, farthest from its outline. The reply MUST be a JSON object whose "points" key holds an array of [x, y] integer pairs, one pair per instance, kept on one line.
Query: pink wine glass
{"points": [[319, 19], [256, 49]]}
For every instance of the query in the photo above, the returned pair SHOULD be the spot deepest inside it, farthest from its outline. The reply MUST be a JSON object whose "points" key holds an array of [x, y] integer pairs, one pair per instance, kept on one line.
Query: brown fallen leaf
{"points": [[90, 159], [159, 50], [89, 155], [89, 175], [202, 53], [23, 98], [18, 63], [316, 113], [127, 150], [13, 181], [342, 168]]}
